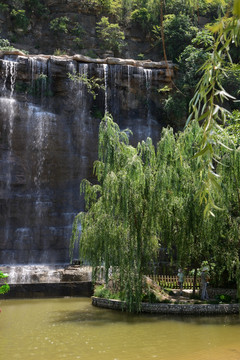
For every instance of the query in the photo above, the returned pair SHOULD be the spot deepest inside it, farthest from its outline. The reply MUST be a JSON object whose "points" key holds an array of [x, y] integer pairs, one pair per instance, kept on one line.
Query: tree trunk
{"points": [[194, 281]]}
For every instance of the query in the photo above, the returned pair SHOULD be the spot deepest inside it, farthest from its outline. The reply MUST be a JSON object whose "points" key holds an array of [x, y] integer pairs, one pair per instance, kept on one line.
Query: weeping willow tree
{"points": [[182, 220], [147, 198], [118, 228]]}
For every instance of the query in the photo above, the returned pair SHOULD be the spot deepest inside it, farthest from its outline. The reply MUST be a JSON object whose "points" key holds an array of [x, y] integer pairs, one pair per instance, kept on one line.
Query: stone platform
{"points": [[174, 309]]}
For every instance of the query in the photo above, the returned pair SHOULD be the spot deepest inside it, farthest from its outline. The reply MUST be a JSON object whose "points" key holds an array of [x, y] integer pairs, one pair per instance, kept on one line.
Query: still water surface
{"points": [[71, 328]]}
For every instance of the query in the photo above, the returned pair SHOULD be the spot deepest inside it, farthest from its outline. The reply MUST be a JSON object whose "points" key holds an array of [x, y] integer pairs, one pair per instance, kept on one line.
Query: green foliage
{"points": [[178, 29], [120, 234], [102, 292], [59, 52], [233, 127], [20, 19], [92, 84], [4, 288], [6, 46], [141, 17], [208, 105], [60, 24], [146, 198], [110, 34], [4, 43], [39, 87], [3, 7], [36, 7], [77, 29], [230, 80], [214, 9], [223, 299]]}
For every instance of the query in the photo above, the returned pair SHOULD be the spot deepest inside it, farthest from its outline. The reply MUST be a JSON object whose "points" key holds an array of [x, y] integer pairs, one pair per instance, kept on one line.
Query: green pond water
{"points": [[71, 328]]}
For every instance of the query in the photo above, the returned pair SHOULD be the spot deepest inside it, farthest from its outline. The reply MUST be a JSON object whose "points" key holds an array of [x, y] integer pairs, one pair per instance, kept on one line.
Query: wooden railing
{"points": [[169, 281]]}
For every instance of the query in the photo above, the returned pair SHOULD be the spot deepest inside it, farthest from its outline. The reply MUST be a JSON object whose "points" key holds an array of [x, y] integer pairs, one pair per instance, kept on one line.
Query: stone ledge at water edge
{"points": [[178, 309]]}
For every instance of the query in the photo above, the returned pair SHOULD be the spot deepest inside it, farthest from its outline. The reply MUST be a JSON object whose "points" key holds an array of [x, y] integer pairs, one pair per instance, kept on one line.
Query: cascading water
{"points": [[105, 69], [148, 77], [7, 103], [49, 130]]}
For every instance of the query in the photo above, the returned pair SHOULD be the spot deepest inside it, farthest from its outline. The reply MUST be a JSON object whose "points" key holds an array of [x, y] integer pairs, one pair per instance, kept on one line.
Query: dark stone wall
{"points": [[23, 291]]}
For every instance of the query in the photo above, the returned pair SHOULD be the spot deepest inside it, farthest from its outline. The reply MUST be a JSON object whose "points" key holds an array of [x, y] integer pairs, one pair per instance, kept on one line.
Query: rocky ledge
{"points": [[146, 64], [174, 309]]}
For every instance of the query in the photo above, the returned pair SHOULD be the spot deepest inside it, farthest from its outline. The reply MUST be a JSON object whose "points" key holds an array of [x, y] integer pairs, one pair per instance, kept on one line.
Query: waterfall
{"points": [[49, 133], [8, 104], [105, 70], [148, 79], [9, 73]]}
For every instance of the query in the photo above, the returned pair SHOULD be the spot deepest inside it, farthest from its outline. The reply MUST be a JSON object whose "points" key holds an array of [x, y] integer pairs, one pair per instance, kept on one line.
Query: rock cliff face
{"points": [[38, 36], [48, 141]]}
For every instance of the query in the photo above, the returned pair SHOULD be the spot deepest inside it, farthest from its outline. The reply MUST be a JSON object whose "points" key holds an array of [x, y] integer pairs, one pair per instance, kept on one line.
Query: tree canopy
{"points": [[146, 198]]}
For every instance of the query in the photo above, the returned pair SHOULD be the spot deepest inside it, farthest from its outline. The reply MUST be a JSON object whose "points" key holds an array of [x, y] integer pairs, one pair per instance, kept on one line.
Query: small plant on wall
{"points": [[20, 19], [60, 24], [5, 287]]}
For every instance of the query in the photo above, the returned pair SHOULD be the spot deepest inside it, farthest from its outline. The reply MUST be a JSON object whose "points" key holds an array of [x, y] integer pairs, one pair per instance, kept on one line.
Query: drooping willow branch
{"points": [[207, 105]]}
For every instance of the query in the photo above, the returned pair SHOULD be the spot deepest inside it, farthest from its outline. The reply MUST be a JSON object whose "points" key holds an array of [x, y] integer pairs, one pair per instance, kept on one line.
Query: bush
{"points": [[5, 287], [60, 24], [4, 43], [20, 19], [102, 292], [223, 298]]}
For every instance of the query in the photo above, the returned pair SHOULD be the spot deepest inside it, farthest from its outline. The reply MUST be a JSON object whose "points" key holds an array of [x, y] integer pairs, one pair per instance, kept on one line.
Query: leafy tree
{"points": [[189, 62], [141, 17], [147, 198], [178, 29], [111, 35], [118, 230]]}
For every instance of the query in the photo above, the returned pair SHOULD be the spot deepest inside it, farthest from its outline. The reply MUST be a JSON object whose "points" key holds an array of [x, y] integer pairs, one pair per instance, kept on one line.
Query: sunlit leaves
{"points": [[208, 104]]}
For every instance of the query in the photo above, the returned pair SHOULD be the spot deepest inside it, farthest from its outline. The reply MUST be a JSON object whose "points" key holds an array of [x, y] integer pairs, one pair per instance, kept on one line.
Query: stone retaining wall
{"points": [[178, 309], [49, 290], [212, 292]]}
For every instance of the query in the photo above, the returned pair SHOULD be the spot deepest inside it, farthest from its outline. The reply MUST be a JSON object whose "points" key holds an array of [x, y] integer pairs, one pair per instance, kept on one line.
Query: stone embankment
{"points": [[174, 309]]}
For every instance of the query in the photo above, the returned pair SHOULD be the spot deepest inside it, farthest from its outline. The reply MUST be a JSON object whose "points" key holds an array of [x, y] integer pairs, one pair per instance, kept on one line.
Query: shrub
{"points": [[5, 287], [102, 292], [223, 298], [77, 29], [20, 19], [59, 52], [60, 24], [4, 43]]}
